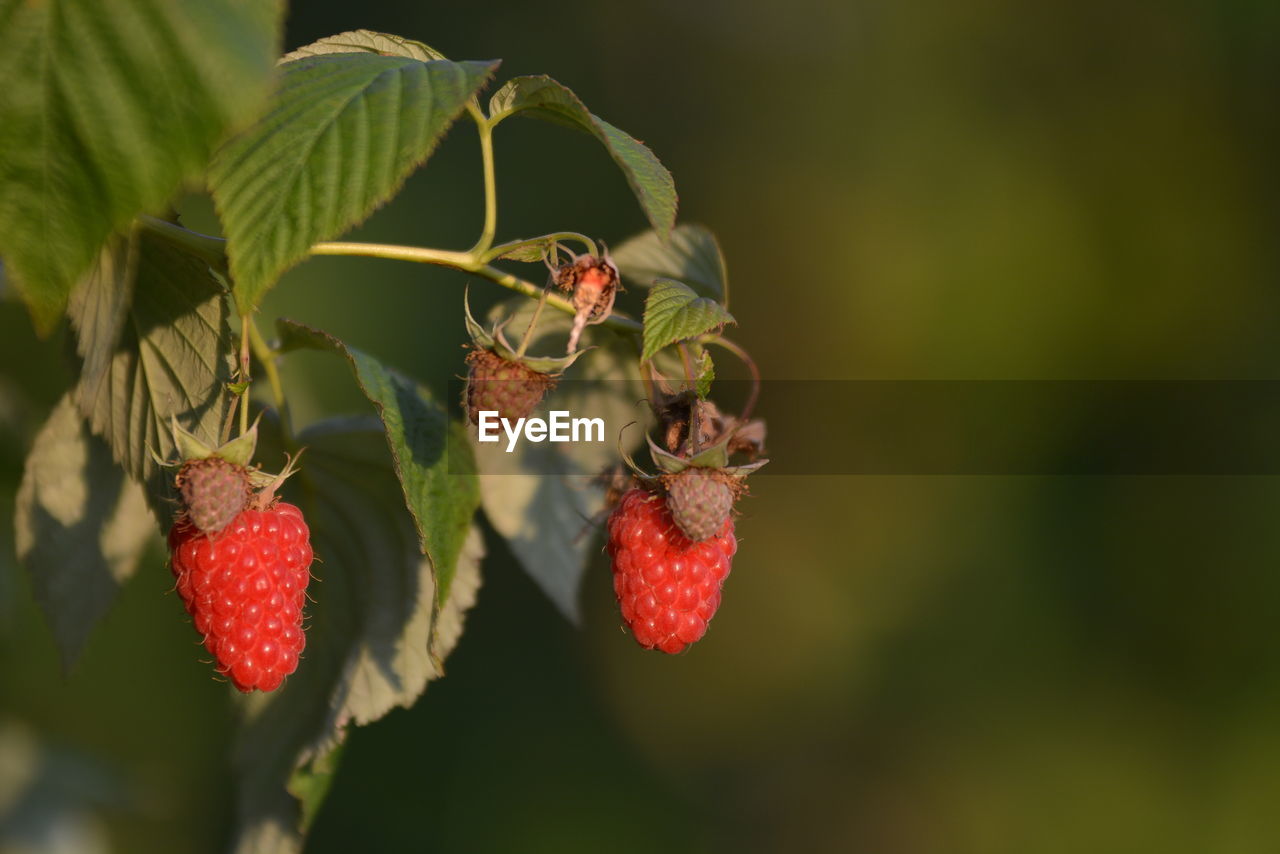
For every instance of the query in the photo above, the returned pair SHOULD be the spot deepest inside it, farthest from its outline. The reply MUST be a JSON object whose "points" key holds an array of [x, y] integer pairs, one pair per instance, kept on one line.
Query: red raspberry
{"points": [[667, 585], [244, 589]]}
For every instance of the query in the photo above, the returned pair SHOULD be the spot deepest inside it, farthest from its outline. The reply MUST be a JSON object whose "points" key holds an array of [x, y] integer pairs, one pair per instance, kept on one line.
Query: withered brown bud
{"points": [[594, 283]]}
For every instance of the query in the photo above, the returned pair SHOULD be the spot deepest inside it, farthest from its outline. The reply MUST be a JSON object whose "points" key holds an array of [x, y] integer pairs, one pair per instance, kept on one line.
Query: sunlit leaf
{"points": [[366, 41], [705, 372], [674, 312], [341, 134]]}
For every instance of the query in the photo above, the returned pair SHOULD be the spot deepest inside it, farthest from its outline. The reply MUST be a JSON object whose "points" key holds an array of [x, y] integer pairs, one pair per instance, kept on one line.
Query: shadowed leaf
{"points": [[436, 473], [81, 527], [690, 255], [172, 356]]}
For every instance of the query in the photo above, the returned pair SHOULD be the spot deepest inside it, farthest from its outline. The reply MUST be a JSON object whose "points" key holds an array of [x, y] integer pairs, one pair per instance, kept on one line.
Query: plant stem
{"points": [[746, 359], [533, 324], [695, 428], [502, 249], [443, 257], [485, 129], [468, 263], [212, 250], [245, 321], [686, 363], [267, 358], [225, 435]]}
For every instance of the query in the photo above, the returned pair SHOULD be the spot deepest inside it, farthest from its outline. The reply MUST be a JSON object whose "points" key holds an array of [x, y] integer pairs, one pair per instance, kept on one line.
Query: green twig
{"points": [[533, 324], [490, 182], [267, 358], [213, 250], [502, 249], [746, 359], [695, 428], [467, 262], [443, 257], [245, 377]]}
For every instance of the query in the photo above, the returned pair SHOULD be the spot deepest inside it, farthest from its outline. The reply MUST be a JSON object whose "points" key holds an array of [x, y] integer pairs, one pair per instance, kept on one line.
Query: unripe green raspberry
{"points": [[214, 491]]}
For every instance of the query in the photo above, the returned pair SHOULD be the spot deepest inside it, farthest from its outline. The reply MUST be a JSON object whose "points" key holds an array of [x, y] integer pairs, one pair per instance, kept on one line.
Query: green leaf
{"points": [[529, 251], [375, 636], [80, 524], [434, 469], [367, 41], [543, 499], [674, 312], [706, 374], [105, 109], [543, 98], [172, 356], [691, 255], [342, 132], [310, 784]]}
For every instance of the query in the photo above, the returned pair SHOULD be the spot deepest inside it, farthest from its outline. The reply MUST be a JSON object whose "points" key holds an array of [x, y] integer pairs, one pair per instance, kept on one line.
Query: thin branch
{"points": [[245, 377], [466, 262], [502, 249], [443, 257], [490, 181], [746, 359]]}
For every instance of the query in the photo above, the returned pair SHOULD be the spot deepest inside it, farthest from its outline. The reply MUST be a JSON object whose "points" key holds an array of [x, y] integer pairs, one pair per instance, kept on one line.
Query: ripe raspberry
{"points": [[213, 491], [244, 589], [699, 502], [499, 385], [668, 587]]}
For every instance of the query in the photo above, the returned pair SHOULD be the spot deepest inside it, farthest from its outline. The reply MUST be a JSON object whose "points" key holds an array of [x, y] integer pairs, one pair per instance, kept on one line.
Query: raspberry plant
{"points": [[168, 427]]}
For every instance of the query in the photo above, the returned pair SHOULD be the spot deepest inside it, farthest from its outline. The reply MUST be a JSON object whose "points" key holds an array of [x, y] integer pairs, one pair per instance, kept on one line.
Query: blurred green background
{"points": [[903, 665]]}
